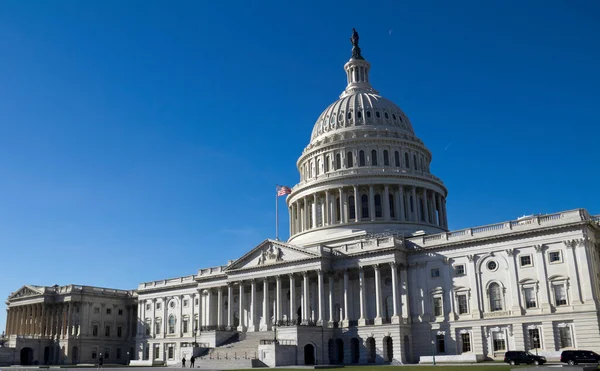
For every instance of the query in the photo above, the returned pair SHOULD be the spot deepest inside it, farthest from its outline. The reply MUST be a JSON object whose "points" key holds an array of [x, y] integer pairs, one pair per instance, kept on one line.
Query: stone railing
{"points": [[212, 270], [521, 224], [168, 282]]}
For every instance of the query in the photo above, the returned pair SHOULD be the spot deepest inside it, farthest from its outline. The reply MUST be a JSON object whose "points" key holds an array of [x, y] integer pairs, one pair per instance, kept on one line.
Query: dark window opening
{"points": [[364, 200], [374, 157]]}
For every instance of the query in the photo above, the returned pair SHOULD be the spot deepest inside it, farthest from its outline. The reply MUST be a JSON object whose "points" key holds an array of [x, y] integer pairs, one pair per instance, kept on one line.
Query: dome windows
{"points": [[377, 114], [349, 115], [406, 160], [349, 160], [359, 114], [386, 115], [368, 114], [386, 158], [394, 116], [397, 158], [326, 164], [361, 158], [374, 158], [338, 161], [351, 208], [378, 213], [364, 201]]}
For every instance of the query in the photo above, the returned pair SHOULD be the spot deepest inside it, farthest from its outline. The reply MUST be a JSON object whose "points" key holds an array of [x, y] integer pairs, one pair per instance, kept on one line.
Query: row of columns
{"points": [[306, 316], [407, 203], [159, 320]]}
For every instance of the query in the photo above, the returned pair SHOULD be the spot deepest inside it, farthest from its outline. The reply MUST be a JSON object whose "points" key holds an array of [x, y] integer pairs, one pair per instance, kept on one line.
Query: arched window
{"points": [[364, 200], [359, 114], [326, 164], [495, 292], [374, 157], [397, 158], [368, 114], [415, 162], [318, 166], [350, 161], [378, 213], [361, 158], [386, 158], [338, 161], [351, 208], [392, 209], [171, 324], [337, 209], [406, 161]]}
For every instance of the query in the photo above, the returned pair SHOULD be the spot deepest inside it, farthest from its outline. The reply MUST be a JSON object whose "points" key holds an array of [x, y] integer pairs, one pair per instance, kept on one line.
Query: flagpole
{"points": [[276, 214]]}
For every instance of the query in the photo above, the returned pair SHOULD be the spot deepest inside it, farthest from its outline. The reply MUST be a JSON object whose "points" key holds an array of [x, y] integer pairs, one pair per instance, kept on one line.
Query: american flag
{"points": [[283, 190]]}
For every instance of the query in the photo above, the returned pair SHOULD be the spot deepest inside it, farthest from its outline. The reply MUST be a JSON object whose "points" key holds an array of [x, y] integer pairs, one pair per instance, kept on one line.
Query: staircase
{"points": [[240, 351]]}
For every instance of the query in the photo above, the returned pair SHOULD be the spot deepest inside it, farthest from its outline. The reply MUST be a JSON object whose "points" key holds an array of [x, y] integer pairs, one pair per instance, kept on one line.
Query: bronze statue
{"points": [[355, 48]]}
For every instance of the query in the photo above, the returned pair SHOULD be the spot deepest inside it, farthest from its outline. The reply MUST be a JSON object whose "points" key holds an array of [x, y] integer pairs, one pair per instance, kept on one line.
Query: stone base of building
{"points": [[460, 358]]}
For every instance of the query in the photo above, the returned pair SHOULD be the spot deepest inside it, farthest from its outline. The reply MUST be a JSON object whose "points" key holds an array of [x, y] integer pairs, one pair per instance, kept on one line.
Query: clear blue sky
{"points": [[142, 140]]}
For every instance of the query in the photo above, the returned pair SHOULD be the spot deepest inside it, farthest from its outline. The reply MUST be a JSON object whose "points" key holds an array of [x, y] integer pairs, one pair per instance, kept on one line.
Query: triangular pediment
{"points": [[26, 291], [271, 252]]}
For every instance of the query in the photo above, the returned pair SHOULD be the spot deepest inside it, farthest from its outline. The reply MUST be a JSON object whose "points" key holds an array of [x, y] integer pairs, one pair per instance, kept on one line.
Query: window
{"points": [[374, 158], [462, 304], [326, 163], [459, 270], [318, 167], [118, 353], [368, 114], [415, 162], [119, 331], [338, 161], [554, 257], [397, 158], [108, 311], [406, 162], [351, 208], [338, 216], [107, 331], [148, 327], [534, 338], [530, 300], [120, 312], [465, 341], [435, 272], [157, 327], [94, 330], [441, 343], [377, 114], [156, 351], [170, 352], [148, 306], [361, 158], [349, 160], [185, 302], [359, 114], [196, 301], [499, 342], [495, 292], [386, 115], [560, 294], [158, 306], [106, 353], [378, 213], [392, 208], [185, 325], [386, 158], [94, 353], [564, 333], [492, 265], [526, 261], [146, 353], [365, 206], [437, 306], [96, 310], [171, 324]]}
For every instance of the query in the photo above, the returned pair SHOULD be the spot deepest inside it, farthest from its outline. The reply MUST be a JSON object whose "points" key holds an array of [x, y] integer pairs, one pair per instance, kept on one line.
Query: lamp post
{"points": [[535, 340], [433, 350], [195, 332]]}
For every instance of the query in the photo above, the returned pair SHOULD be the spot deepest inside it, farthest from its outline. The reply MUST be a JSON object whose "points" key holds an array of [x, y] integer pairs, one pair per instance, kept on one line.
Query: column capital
{"points": [[291, 275], [393, 265], [304, 274], [375, 266]]}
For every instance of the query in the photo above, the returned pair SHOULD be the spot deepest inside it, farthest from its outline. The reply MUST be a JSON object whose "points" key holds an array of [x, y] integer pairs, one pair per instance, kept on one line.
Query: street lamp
{"points": [[433, 350]]}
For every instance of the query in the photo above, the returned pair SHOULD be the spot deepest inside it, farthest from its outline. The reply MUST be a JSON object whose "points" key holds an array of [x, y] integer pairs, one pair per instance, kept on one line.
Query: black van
{"points": [[574, 357], [515, 357]]}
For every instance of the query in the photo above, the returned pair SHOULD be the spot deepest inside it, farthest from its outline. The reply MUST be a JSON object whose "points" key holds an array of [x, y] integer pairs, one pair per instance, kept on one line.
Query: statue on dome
{"points": [[355, 48]]}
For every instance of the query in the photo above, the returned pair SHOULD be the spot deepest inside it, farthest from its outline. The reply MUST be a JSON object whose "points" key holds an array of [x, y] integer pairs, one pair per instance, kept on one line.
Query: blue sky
{"points": [[143, 140]]}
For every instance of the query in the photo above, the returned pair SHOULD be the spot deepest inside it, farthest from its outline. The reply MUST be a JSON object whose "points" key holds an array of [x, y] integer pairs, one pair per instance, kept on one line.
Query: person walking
{"points": [[183, 362], [192, 360], [100, 362]]}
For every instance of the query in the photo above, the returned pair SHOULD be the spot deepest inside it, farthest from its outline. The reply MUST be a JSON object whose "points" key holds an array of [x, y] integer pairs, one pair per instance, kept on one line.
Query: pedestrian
{"points": [[183, 362], [100, 362], [192, 360]]}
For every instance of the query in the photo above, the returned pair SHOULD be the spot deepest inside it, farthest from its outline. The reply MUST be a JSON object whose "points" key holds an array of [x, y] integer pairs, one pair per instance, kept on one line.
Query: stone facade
{"points": [[370, 273]]}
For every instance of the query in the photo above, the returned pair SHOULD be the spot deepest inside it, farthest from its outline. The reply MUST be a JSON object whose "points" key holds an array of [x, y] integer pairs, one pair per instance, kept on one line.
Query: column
{"points": [[292, 298], [378, 319], [241, 310], [278, 314], [9, 313], [362, 321], [372, 202], [296, 217], [219, 307], [425, 207], [326, 218], [306, 214], [69, 319], [252, 323], [404, 297], [570, 258], [200, 311], [165, 320], [357, 202], [445, 215], [343, 207], [229, 306], [438, 208], [331, 314], [399, 201], [472, 273], [395, 316], [514, 282], [346, 321], [314, 211], [266, 320], [415, 206], [193, 316], [320, 293], [305, 313], [540, 266], [291, 220], [386, 203], [334, 212]]}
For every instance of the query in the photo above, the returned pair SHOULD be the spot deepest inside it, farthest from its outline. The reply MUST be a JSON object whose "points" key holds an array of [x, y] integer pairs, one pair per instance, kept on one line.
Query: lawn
{"points": [[476, 367]]}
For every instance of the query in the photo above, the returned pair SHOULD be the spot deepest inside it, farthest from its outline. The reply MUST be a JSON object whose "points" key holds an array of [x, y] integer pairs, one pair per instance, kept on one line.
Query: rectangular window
{"points": [[94, 353], [147, 353], [185, 303], [459, 270], [118, 353], [526, 261], [119, 331], [148, 327], [120, 312], [437, 306], [554, 257], [106, 353], [499, 343], [108, 311], [156, 351], [171, 352], [462, 304], [196, 301], [107, 331], [96, 310], [158, 306], [534, 338], [148, 306], [560, 295], [565, 337], [94, 330], [465, 340], [440, 343], [185, 326], [435, 272], [157, 328], [530, 301]]}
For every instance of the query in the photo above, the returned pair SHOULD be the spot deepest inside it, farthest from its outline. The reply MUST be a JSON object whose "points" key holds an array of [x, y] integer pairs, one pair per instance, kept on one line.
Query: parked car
{"points": [[574, 357], [515, 357]]}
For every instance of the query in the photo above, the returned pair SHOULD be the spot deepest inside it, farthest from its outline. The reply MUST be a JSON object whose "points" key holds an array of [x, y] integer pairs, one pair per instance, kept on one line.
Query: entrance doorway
{"points": [[388, 347], [354, 350], [340, 351], [26, 356], [74, 355], [371, 350], [407, 349], [309, 354], [47, 355]]}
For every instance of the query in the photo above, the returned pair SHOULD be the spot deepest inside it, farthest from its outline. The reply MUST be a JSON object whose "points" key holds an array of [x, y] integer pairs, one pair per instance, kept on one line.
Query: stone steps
{"points": [[235, 354]]}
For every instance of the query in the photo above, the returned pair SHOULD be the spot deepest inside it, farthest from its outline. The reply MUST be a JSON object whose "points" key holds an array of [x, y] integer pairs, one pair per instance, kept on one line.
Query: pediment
{"points": [[271, 252], [26, 291]]}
